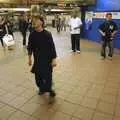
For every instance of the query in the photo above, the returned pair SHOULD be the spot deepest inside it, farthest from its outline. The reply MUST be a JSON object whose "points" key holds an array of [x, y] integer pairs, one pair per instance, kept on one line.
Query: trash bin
{"points": [[53, 23]]}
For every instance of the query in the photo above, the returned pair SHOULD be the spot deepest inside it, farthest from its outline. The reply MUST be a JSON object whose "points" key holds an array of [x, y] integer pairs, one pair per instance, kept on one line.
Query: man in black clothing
{"points": [[107, 29], [23, 26], [42, 46]]}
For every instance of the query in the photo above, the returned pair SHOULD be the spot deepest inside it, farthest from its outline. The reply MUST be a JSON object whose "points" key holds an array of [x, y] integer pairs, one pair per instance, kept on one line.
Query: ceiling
{"points": [[45, 1]]}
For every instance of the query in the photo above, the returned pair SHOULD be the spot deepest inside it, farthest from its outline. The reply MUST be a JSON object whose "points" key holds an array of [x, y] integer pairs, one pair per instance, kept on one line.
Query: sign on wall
{"points": [[115, 15], [88, 20]]}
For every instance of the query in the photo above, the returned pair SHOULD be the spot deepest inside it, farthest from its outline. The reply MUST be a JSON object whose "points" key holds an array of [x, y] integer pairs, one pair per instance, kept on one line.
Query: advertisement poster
{"points": [[115, 15], [88, 20]]}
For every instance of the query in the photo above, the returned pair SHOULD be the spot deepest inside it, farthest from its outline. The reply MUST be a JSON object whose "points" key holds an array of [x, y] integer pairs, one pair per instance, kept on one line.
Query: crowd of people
{"points": [[41, 44]]}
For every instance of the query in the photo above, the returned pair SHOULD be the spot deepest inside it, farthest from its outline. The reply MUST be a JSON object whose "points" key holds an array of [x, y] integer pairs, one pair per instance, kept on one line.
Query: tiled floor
{"points": [[87, 88]]}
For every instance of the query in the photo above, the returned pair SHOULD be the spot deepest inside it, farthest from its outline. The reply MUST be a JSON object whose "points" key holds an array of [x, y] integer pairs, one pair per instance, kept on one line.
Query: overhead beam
{"points": [[12, 1]]}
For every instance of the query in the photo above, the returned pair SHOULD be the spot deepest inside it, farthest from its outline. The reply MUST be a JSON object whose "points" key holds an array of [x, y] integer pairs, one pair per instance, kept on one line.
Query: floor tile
{"points": [[106, 107], [2, 91], [61, 116], [8, 87], [5, 112], [117, 110], [29, 108], [93, 94], [111, 91], [1, 104], [43, 113], [31, 118], [83, 113], [116, 118], [18, 116], [102, 116], [57, 104], [68, 108], [80, 90], [112, 85], [108, 98], [74, 98], [89, 102], [28, 94], [18, 102], [73, 118], [17, 90], [6, 98]]}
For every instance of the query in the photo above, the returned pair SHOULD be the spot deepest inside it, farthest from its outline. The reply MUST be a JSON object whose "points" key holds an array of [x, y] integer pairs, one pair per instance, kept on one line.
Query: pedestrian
{"points": [[23, 27], [75, 25], [107, 30], [42, 47], [5, 28]]}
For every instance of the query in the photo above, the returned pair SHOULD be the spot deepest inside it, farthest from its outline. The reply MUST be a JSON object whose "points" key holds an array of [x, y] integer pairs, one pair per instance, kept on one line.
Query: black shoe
{"points": [[41, 93], [52, 94], [52, 97]]}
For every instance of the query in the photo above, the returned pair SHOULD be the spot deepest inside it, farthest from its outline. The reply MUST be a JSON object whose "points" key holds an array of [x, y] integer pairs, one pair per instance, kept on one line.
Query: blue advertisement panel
{"points": [[108, 5], [97, 18]]}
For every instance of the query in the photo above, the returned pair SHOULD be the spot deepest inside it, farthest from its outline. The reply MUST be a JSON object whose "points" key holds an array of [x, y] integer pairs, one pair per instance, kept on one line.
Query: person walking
{"points": [[2, 31], [42, 47], [5, 28], [58, 23], [23, 26]]}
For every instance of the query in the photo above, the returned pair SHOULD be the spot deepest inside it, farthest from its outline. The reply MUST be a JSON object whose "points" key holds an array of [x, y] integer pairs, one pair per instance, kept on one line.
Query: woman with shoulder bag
{"points": [[8, 35]]}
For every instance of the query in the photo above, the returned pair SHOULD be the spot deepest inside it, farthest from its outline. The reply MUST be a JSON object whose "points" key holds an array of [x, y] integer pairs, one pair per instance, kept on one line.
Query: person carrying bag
{"points": [[8, 39]]}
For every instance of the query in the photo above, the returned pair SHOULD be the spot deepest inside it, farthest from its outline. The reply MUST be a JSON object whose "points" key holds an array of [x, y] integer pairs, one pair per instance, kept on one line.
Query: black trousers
{"points": [[75, 41], [2, 42], [24, 37], [44, 81], [58, 28], [106, 43]]}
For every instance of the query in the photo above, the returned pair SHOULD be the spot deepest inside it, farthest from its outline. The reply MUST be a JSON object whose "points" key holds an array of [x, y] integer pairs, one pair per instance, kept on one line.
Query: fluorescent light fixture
{"points": [[15, 9], [59, 10], [21, 9]]}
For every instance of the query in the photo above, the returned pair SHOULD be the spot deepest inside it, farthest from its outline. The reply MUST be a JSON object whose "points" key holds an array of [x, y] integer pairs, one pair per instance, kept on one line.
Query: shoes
{"points": [[52, 94], [73, 51], [52, 97], [41, 93], [24, 46], [102, 58], [78, 51], [110, 58]]}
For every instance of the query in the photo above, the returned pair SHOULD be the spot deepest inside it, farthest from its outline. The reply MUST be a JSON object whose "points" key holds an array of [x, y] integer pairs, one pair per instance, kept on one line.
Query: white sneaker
{"points": [[110, 58], [102, 58], [78, 51]]}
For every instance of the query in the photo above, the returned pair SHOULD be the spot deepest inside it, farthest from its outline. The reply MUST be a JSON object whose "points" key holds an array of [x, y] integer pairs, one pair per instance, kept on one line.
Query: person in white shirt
{"points": [[75, 24]]}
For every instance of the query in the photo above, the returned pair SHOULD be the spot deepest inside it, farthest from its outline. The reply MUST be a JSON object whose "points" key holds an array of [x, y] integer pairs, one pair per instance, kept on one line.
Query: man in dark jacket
{"points": [[42, 47], [107, 29], [23, 26]]}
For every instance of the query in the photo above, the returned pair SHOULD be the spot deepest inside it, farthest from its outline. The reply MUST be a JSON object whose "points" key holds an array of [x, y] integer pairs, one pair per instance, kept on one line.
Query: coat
{"points": [[42, 47]]}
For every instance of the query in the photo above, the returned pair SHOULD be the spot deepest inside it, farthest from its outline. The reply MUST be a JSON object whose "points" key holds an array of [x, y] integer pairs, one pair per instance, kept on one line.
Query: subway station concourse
{"points": [[87, 87]]}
